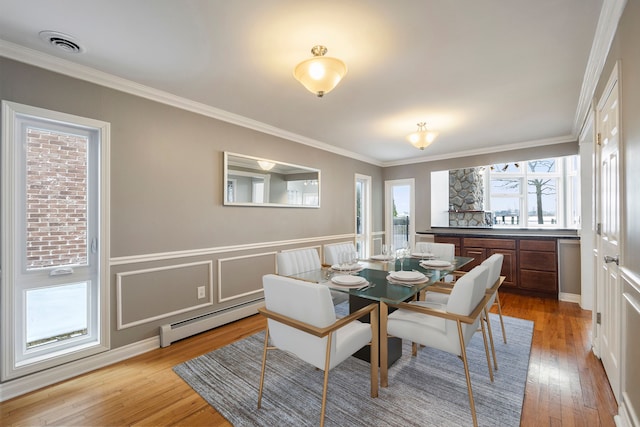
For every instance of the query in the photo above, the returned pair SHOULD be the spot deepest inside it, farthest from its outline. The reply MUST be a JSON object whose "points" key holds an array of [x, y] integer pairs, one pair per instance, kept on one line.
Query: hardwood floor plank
{"points": [[566, 384]]}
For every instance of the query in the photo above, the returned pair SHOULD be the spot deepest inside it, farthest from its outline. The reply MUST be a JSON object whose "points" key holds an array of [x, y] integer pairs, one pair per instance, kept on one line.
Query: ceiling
{"points": [[488, 75]]}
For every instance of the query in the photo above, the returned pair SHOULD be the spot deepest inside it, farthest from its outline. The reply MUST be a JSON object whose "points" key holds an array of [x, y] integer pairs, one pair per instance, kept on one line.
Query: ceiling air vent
{"points": [[61, 41]]}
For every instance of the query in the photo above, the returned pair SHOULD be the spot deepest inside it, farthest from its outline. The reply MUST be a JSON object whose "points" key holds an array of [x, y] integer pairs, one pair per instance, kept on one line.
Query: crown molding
{"points": [[487, 150], [81, 72], [605, 32]]}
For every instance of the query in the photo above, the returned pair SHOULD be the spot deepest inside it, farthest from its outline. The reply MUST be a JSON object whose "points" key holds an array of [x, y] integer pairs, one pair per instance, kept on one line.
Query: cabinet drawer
{"points": [[478, 242], [544, 281], [543, 261], [538, 245]]}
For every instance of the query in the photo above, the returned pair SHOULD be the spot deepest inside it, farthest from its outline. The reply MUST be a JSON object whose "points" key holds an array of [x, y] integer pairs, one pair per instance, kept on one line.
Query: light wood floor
{"points": [[566, 384]]}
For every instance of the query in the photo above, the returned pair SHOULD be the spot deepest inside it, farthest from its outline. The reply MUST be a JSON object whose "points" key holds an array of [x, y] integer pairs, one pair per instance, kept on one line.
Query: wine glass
{"points": [[402, 254], [390, 257], [354, 258]]}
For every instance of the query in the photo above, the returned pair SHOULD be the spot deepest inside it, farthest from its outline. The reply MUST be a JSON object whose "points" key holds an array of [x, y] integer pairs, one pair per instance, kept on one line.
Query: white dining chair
{"points": [[297, 261], [494, 281], [447, 327], [444, 251], [332, 252], [301, 320]]}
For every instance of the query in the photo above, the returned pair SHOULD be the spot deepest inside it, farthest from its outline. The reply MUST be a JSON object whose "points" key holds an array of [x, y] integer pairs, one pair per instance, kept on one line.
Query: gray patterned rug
{"points": [[429, 390]]}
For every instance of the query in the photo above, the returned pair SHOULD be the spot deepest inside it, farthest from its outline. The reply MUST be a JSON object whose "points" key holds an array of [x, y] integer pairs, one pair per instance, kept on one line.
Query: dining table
{"points": [[385, 281]]}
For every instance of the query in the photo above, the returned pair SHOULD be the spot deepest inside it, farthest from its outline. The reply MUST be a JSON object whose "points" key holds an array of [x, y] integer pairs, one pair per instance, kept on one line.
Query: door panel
{"points": [[608, 278]]}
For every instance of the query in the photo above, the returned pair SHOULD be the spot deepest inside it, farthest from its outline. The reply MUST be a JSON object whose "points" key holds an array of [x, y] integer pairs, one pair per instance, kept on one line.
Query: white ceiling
{"points": [[489, 75]]}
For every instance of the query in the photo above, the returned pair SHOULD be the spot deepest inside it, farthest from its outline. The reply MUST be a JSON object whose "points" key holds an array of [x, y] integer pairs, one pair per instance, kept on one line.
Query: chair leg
{"points": [[326, 378], [375, 350], [463, 355], [486, 346], [264, 364], [493, 347], [504, 334]]}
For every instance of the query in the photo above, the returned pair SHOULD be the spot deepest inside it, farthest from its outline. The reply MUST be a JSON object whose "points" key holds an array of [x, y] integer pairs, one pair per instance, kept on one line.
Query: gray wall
{"points": [[170, 232]]}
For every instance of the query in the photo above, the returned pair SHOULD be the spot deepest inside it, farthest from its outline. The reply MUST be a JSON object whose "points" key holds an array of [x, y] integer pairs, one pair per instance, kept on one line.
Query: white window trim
{"points": [[10, 111]]}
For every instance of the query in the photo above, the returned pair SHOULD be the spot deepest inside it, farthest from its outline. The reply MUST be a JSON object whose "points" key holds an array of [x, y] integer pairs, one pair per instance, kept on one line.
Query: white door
{"points": [[609, 292], [54, 285], [399, 212]]}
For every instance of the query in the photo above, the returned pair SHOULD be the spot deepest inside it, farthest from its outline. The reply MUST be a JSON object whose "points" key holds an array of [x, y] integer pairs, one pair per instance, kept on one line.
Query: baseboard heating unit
{"points": [[173, 332]]}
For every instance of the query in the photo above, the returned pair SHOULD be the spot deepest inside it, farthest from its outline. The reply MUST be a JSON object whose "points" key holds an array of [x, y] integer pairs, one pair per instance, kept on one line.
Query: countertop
{"points": [[502, 232]]}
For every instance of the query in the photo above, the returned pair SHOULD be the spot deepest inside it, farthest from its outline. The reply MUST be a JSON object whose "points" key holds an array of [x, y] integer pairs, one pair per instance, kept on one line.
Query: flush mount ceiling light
{"points": [[320, 74], [423, 137], [265, 165], [61, 41]]}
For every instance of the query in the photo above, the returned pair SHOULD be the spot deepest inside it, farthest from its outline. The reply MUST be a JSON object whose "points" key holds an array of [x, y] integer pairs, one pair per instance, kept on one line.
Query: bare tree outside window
{"points": [[542, 186]]}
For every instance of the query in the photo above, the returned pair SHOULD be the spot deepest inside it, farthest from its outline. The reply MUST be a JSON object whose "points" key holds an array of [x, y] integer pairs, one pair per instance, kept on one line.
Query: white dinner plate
{"points": [[348, 267], [407, 275], [422, 255], [381, 257], [348, 280], [435, 263]]}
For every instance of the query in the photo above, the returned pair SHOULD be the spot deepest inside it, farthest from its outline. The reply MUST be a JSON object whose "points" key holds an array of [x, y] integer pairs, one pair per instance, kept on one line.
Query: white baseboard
{"points": [[26, 384], [566, 297]]}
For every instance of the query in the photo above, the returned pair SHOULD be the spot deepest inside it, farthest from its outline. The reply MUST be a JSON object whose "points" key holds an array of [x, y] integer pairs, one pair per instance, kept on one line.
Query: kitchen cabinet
{"points": [[530, 263], [538, 265]]}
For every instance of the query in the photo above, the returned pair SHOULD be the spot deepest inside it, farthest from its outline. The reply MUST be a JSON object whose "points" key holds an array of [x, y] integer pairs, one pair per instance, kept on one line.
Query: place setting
{"points": [[435, 263], [348, 263], [388, 254], [423, 255], [407, 278], [348, 281]]}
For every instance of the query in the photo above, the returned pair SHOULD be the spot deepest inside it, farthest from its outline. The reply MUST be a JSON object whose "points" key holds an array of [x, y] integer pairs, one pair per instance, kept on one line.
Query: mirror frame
{"points": [[247, 170]]}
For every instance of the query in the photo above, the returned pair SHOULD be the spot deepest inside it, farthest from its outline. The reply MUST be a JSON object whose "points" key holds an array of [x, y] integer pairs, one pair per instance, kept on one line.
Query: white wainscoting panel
{"points": [[176, 284], [241, 276]]}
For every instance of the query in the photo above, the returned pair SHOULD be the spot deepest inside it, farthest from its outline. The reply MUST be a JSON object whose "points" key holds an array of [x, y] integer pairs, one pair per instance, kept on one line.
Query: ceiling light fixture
{"points": [[422, 138], [320, 74], [265, 165]]}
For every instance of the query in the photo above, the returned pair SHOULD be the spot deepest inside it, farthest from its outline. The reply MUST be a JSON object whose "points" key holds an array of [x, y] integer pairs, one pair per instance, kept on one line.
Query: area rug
{"points": [[427, 390]]}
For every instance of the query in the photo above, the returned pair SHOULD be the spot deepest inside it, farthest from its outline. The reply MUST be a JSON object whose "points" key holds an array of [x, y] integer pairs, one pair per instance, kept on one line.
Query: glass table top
{"points": [[376, 272]]}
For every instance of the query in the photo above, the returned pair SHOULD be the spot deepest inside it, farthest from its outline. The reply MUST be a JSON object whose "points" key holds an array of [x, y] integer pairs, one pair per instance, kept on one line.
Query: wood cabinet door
{"points": [[508, 266], [478, 255]]}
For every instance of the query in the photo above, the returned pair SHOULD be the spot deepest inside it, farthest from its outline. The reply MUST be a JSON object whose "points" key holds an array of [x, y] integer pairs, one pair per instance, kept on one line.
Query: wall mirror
{"points": [[254, 181]]}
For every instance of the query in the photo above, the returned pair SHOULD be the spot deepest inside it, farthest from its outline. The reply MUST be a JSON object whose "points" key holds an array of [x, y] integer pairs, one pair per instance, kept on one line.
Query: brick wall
{"points": [[56, 199]]}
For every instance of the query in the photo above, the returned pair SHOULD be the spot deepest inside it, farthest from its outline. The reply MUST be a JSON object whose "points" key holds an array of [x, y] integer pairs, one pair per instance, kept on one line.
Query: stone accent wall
{"points": [[466, 194], [466, 190], [56, 193]]}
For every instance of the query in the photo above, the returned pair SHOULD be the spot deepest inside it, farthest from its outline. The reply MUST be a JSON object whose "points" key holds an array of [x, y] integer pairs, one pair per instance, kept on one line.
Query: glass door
{"points": [[399, 213], [53, 291]]}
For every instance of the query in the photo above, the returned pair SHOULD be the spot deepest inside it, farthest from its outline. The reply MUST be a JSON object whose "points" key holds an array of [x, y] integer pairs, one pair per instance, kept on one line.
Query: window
{"points": [[531, 194], [55, 193], [363, 215], [541, 193]]}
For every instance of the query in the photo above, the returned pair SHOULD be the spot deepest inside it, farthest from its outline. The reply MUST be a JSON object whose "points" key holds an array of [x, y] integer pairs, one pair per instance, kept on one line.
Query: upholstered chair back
{"points": [[465, 296], [444, 251], [309, 303], [332, 252], [297, 261]]}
